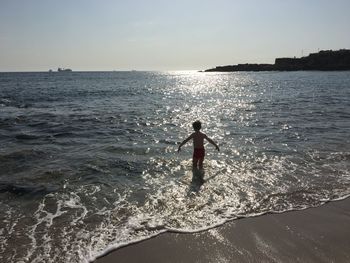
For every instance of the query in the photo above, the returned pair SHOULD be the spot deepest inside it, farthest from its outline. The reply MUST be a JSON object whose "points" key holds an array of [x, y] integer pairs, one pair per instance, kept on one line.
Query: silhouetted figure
{"points": [[198, 144]]}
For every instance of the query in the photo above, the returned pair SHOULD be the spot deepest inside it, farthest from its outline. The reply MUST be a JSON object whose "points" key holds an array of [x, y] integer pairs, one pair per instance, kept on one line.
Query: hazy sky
{"points": [[165, 35]]}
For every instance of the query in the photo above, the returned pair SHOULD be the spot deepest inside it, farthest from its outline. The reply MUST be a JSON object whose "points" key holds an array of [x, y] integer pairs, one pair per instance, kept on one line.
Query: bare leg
{"points": [[194, 162], [201, 163]]}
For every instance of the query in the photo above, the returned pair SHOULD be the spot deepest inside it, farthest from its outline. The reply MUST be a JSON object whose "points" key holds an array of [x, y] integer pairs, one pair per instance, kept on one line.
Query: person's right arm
{"points": [[212, 142]]}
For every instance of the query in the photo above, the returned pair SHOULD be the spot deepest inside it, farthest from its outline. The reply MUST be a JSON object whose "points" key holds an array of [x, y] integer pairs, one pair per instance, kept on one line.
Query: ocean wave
{"points": [[22, 189]]}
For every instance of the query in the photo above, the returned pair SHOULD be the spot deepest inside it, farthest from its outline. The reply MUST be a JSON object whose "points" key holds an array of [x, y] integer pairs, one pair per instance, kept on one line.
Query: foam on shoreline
{"points": [[115, 247]]}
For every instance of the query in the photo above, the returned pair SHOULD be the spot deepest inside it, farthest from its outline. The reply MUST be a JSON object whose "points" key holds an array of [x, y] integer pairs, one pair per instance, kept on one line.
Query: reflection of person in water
{"points": [[198, 144], [197, 180]]}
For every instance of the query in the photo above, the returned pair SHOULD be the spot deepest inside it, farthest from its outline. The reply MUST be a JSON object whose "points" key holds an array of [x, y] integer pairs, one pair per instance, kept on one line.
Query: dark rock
{"points": [[323, 60]]}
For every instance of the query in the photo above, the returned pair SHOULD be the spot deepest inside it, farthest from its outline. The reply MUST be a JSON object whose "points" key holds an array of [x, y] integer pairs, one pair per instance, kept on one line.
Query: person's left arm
{"points": [[185, 141]]}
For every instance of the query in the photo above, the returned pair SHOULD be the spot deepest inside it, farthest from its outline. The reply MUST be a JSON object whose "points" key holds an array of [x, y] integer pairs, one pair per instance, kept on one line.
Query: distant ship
{"points": [[64, 70]]}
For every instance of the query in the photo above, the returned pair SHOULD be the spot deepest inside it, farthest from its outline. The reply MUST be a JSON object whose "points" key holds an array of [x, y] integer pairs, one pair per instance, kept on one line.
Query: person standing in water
{"points": [[198, 144]]}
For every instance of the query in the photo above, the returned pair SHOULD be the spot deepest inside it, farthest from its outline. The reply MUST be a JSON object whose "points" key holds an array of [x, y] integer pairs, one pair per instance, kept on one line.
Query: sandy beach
{"points": [[320, 234]]}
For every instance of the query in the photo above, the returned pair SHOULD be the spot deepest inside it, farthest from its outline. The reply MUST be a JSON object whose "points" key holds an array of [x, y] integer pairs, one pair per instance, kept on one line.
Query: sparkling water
{"points": [[89, 162]]}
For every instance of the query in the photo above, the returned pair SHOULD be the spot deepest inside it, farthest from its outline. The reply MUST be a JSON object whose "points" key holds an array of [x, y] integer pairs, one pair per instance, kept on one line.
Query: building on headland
{"points": [[323, 60]]}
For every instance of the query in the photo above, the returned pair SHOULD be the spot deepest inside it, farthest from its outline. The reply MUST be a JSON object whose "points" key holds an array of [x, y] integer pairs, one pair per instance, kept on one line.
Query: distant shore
{"points": [[320, 234], [323, 60]]}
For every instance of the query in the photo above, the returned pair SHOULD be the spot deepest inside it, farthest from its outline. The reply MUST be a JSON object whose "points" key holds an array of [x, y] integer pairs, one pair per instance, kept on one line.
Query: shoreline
{"points": [[319, 234]]}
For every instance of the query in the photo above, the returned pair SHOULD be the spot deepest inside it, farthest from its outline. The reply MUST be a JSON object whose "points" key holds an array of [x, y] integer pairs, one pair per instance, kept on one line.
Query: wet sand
{"points": [[320, 234]]}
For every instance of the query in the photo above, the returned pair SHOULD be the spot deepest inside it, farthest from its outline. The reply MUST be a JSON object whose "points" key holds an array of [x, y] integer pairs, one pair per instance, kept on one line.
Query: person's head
{"points": [[197, 125]]}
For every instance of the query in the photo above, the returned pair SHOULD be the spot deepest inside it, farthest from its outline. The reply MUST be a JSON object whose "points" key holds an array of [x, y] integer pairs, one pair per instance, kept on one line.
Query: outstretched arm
{"points": [[186, 140], [212, 142]]}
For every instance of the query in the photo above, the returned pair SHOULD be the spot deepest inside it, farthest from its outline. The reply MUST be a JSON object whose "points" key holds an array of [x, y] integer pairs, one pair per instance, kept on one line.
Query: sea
{"points": [[89, 160]]}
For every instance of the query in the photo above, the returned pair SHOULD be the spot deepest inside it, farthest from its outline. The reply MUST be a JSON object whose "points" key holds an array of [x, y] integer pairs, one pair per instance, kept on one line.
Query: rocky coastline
{"points": [[323, 60]]}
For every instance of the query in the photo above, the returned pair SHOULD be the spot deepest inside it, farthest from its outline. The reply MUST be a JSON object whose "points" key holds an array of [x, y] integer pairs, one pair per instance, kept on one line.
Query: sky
{"points": [[38, 35]]}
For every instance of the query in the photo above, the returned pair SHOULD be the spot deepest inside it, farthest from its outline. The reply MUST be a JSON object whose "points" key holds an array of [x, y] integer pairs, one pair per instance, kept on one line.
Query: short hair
{"points": [[197, 125]]}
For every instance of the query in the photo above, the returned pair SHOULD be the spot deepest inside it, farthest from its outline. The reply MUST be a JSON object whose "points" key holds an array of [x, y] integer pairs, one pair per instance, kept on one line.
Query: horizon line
{"points": [[76, 71]]}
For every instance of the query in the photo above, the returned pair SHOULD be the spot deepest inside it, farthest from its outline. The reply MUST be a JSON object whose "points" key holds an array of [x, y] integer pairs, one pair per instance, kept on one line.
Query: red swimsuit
{"points": [[198, 153]]}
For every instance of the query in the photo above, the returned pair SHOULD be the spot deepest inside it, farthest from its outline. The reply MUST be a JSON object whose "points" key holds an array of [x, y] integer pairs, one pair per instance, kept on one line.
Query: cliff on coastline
{"points": [[323, 60]]}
